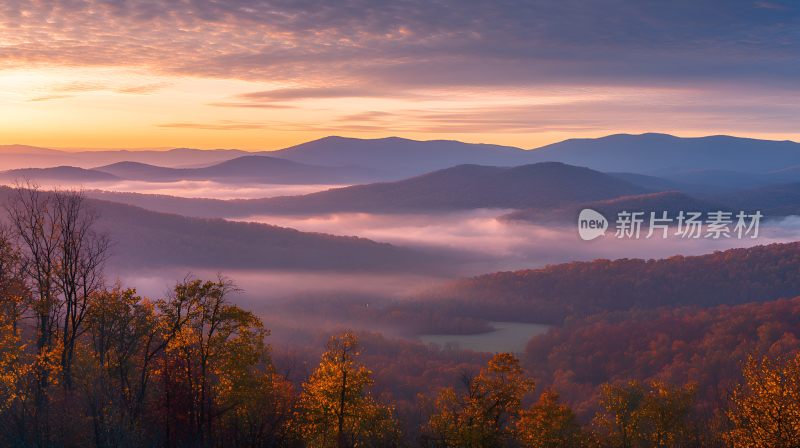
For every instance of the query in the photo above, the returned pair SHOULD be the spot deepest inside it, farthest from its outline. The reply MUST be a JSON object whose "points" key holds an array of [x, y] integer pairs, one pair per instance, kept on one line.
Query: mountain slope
{"points": [[399, 157], [705, 347], [662, 153], [255, 168], [772, 200], [553, 293], [142, 238], [57, 174], [395, 158], [651, 153], [652, 183], [21, 156], [140, 171], [671, 202], [461, 187]]}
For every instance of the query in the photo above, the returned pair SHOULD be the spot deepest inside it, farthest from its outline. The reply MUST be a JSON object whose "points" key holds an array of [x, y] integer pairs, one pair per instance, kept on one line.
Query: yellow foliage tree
{"points": [[335, 408], [549, 424], [14, 365], [213, 353], [645, 415], [765, 409], [484, 416]]}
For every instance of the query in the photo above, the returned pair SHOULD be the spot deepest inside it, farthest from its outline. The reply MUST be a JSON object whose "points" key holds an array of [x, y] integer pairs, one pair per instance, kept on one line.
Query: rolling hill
{"points": [[671, 202], [141, 171], [460, 188], [142, 238], [661, 154], [652, 183], [400, 157], [772, 200], [730, 162], [22, 156], [255, 168], [542, 193], [57, 174], [553, 293], [657, 154]]}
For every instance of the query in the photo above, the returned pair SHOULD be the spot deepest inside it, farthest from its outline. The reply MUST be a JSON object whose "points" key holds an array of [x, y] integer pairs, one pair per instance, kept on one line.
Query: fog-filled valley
{"points": [[290, 244], [413, 224], [437, 270]]}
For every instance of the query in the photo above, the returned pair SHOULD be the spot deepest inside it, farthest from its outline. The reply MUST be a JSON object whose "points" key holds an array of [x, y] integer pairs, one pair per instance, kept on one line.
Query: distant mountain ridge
{"points": [[462, 187], [251, 168], [57, 174], [554, 292], [671, 202], [147, 239], [23, 156], [714, 161], [402, 157], [649, 153], [660, 154]]}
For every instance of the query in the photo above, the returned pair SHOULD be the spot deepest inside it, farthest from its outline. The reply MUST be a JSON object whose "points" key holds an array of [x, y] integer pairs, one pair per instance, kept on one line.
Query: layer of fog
{"points": [[288, 302], [504, 245], [296, 305], [195, 188]]}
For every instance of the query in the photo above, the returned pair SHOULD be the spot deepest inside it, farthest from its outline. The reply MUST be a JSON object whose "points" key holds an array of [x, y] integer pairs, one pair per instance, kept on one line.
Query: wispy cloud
{"points": [[726, 65], [312, 92], [250, 105], [414, 42], [217, 126], [74, 88], [48, 98], [143, 89]]}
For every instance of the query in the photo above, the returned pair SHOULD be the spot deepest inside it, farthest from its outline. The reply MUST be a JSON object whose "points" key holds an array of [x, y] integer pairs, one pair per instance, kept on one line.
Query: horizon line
{"points": [[173, 148]]}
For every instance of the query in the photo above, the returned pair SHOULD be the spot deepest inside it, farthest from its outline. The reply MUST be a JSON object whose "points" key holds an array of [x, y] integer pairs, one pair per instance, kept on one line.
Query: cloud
{"points": [[217, 126], [413, 66], [584, 110], [311, 92], [142, 89], [250, 105], [499, 245], [49, 97], [412, 43], [74, 88]]}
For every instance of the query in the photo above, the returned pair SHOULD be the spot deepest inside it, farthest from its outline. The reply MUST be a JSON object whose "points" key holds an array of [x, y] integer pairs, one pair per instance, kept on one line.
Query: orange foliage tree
{"points": [[486, 414], [335, 408], [765, 408]]}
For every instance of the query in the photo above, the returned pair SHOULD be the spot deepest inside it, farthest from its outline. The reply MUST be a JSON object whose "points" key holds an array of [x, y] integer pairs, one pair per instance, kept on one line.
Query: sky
{"points": [[269, 74]]}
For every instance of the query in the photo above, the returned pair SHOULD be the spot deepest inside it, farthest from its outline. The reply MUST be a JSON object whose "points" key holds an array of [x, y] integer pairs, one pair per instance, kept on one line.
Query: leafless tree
{"points": [[64, 256], [14, 294], [81, 254], [34, 224]]}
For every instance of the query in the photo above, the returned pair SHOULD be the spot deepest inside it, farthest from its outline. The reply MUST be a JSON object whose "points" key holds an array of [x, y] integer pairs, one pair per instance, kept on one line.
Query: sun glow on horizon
{"points": [[113, 107]]}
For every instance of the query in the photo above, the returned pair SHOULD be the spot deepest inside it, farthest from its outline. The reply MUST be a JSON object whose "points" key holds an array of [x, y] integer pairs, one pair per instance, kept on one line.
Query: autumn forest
{"points": [[405, 223], [86, 363]]}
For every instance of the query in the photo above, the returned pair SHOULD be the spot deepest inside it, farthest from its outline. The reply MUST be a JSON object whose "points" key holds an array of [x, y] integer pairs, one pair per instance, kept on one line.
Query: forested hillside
{"points": [[88, 363], [705, 347], [551, 294]]}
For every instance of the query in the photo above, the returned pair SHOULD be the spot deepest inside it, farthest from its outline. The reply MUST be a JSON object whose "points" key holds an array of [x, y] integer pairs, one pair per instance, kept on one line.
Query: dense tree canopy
{"points": [[84, 363]]}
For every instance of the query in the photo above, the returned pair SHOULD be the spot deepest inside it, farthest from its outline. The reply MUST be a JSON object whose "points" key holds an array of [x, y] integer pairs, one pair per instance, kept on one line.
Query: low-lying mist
{"points": [[195, 188], [300, 305], [294, 305], [495, 244]]}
